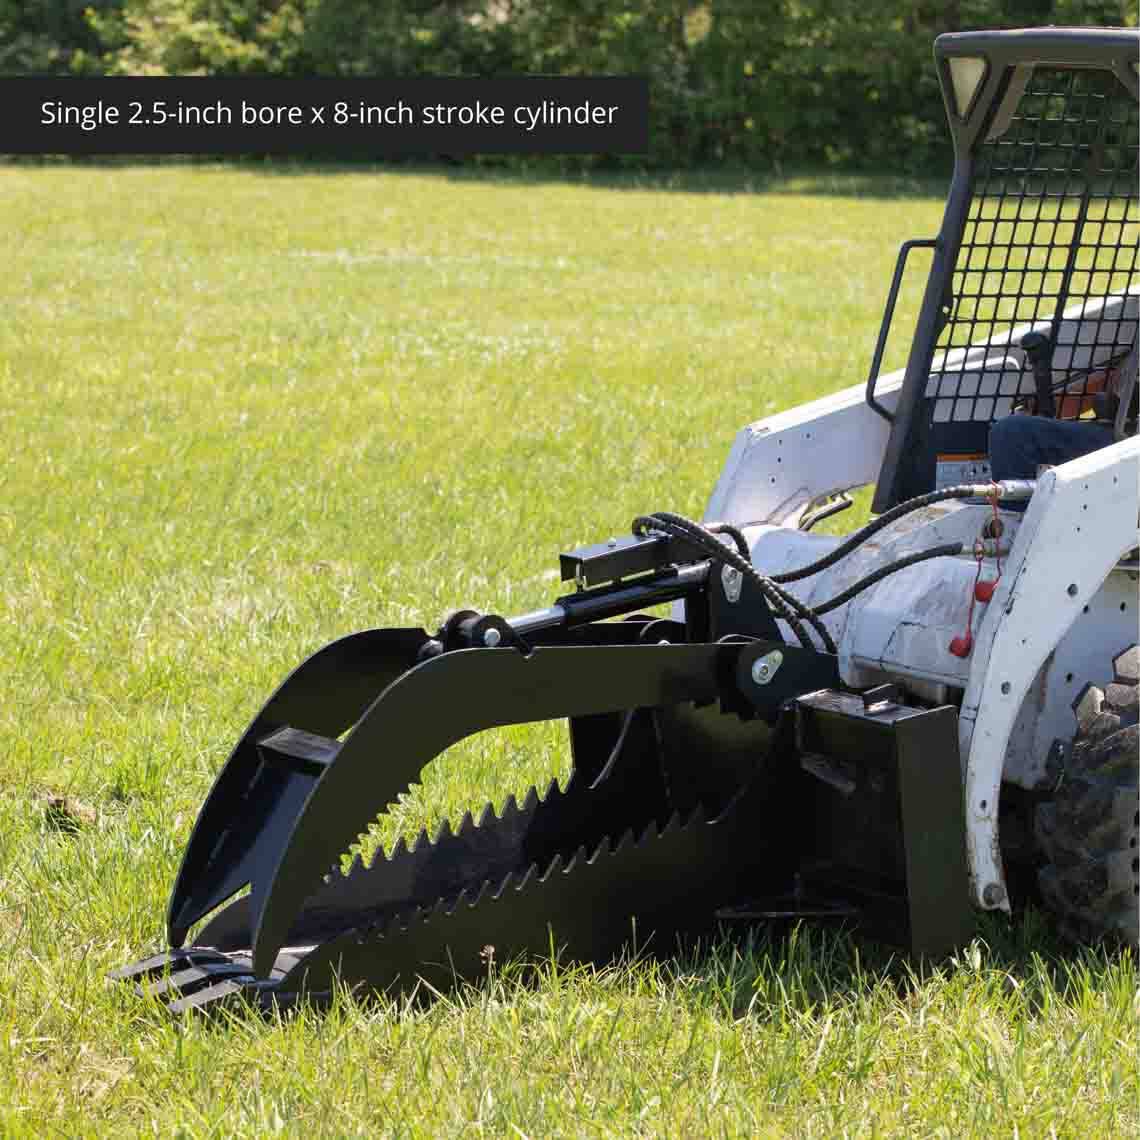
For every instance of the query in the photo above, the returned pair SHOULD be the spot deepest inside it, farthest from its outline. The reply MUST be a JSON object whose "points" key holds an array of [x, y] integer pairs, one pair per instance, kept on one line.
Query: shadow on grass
{"points": [[766, 973], [717, 181]]}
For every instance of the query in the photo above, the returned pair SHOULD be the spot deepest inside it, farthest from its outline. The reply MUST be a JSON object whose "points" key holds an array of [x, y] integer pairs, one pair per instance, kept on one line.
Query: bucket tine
{"points": [[160, 963]]}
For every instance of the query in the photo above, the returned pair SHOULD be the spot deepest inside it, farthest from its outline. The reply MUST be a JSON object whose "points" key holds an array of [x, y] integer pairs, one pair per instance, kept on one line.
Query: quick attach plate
{"points": [[884, 815]]}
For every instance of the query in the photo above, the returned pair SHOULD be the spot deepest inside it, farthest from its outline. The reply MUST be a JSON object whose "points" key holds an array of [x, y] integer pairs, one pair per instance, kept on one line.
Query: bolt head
{"points": [[492, 637], [764, 668], [993, 894], [733, 581]]}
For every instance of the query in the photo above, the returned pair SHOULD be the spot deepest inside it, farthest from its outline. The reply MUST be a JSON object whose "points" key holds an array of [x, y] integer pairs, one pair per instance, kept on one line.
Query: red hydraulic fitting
{"points": [[961, 645]]}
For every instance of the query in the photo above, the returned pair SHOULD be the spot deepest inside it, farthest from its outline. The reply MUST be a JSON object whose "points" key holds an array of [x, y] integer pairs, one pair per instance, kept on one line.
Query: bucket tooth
{"points": [[468, 897], [161, 963], [213, 998], [518, 883], [603, 848], [183, 982]]}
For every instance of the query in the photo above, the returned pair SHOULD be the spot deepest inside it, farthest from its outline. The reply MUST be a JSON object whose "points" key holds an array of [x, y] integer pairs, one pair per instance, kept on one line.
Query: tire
{"points": [[1089, 831]]}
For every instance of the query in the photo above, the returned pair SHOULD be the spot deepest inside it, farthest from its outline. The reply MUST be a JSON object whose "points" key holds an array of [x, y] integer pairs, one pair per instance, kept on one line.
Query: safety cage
{"points": [[1033, 295]]}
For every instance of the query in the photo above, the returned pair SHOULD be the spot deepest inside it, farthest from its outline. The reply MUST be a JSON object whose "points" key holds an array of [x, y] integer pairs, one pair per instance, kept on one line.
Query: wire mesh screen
{"points": [[1050, 243]]}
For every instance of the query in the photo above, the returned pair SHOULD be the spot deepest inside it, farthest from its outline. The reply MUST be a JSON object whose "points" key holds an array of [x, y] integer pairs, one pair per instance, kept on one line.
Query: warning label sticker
{"points": [[954, 469]]}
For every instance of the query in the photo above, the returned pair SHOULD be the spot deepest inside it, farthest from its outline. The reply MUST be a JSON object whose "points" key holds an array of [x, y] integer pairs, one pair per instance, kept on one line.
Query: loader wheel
{"points": [[1089, 831]]}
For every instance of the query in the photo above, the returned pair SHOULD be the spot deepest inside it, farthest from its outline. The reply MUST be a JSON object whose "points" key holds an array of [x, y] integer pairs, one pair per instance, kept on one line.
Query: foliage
{"points": [[42, 36], [732, 81]]}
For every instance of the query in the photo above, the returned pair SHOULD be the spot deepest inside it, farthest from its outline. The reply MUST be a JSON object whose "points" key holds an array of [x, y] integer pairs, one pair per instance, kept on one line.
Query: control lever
{"points": [[1039, 352]]}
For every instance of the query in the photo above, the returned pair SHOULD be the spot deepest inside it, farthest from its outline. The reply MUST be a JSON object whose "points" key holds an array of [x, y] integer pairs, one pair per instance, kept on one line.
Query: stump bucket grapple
{"points": [[892, 730]]}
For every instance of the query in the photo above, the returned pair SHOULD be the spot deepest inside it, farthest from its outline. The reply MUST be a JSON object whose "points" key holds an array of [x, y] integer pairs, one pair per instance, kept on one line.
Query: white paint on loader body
{"points": [[1064, 607]]}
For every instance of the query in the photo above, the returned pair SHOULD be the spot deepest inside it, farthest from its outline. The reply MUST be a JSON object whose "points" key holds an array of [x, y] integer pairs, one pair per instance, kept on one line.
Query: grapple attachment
{"points": [[690, 794]]}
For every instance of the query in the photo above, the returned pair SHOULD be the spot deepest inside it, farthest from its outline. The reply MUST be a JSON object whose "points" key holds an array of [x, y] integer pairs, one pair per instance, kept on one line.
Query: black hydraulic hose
{"points": [[802, 611], [962, 491], [949, 548], [705, 538], [735, 533], [786, 605]]}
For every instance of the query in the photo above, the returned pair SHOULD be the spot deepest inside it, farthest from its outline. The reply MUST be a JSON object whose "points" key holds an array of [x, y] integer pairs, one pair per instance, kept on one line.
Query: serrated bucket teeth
{"points": [[293, 796], [643, 890]]}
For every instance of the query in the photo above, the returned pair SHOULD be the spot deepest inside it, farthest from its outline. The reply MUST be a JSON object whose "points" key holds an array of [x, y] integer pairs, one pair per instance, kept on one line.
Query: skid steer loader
{"points": [[897, 729]]}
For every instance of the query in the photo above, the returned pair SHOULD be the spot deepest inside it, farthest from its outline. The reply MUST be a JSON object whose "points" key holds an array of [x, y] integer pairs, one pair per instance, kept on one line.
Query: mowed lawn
{"points": [[244, 411]]}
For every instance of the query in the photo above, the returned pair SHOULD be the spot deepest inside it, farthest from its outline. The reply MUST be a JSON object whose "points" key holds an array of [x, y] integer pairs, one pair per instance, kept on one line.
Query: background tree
{"points": [[732, 82]]}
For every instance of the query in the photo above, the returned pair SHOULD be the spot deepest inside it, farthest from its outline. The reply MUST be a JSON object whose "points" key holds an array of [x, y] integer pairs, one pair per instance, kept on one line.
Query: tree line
{"points": [[751, 83]]}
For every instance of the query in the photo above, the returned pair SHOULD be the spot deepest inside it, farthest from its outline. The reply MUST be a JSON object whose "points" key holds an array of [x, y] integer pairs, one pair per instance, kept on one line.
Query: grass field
{"points": [[245, 411]]}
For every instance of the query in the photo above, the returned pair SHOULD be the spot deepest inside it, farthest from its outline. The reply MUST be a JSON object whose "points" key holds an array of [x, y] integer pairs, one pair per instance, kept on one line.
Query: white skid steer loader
{"points": [[896, 729]]}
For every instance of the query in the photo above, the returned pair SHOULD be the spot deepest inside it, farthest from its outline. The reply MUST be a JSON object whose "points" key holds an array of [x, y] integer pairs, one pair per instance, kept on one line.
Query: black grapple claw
{"points": [[687, 796], [586, 902], [297, 926]]}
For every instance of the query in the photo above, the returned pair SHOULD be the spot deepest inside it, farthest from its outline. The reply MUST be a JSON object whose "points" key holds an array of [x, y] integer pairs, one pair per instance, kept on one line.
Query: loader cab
{"points": [[1034, 277]]}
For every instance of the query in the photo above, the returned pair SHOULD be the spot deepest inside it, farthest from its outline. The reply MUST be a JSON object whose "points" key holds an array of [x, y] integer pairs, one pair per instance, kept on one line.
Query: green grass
{"points": [[246, 411]]}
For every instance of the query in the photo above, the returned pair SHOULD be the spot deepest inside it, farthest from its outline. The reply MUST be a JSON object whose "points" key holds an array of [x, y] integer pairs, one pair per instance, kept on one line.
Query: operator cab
{"points": [[1033, 299]]}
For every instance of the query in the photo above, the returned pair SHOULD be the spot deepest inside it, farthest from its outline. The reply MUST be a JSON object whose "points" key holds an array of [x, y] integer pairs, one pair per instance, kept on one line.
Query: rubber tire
{"points": [[1089, 832]]}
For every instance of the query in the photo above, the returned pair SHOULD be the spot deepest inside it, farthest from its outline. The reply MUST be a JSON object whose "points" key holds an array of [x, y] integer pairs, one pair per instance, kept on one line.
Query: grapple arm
{"points": [[686, 753]]}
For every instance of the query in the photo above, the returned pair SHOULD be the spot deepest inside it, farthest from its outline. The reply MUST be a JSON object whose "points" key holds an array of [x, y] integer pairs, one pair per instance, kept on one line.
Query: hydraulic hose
{"points": [[1008, 489], [785, 605], [947, 549]]}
